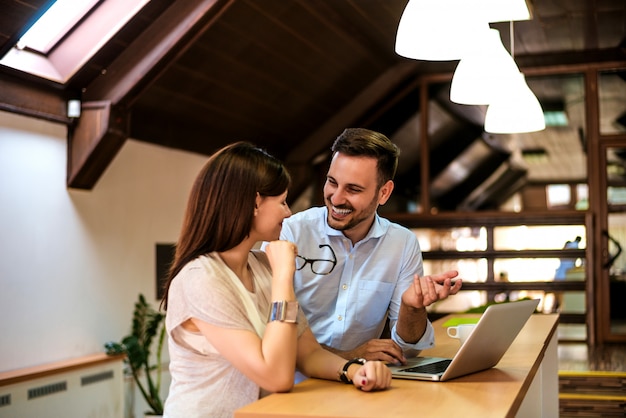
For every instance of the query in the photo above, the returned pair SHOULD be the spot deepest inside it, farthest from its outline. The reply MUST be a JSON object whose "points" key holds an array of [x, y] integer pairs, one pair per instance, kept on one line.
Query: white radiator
{"points": [[91, 391]]}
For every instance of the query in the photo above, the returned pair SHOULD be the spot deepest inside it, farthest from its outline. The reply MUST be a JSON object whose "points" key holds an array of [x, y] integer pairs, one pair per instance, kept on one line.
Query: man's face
{"points": [[352, 195]]}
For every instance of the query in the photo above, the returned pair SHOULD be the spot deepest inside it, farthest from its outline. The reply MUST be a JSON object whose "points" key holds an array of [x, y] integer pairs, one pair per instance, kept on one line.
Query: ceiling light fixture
{"points": [[446, 30], [485, 71], [515, 112], [436, 30], [442, 30], [517, 109]]}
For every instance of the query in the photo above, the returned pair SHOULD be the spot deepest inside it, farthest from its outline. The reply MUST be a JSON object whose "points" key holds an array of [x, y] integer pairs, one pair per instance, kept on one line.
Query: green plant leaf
{"points": [[147, 323]]}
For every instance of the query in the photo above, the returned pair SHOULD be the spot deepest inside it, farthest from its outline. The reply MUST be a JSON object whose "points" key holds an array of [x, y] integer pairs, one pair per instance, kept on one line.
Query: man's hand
{"points": [[384, 350], [429, 289]]}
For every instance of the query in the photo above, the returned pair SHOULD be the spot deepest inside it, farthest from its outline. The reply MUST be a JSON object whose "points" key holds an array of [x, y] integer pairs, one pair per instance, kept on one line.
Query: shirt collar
{"points": [[376, 231]]}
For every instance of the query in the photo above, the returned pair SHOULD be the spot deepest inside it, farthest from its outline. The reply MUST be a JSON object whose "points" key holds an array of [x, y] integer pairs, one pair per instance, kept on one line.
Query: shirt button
{"points": [[344, 287], [339, 317]]}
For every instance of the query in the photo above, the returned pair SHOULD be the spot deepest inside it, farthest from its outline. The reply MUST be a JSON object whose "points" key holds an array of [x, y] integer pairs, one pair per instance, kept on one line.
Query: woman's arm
{"points": [[268, 362], [315, 361]]}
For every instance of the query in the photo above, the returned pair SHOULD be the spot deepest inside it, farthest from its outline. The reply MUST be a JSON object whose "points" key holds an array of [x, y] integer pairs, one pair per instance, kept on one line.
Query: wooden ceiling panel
{"points": [[529, 37], [237, 53], [177, 132], [199, 110], [612, 31]]}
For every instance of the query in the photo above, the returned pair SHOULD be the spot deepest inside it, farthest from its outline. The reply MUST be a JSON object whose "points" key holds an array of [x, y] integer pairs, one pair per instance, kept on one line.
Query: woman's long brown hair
{"points": [[221, 204]]}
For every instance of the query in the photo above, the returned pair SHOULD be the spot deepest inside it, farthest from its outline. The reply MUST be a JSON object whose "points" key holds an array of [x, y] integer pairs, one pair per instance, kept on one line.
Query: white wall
{"points": [[73, 261]]}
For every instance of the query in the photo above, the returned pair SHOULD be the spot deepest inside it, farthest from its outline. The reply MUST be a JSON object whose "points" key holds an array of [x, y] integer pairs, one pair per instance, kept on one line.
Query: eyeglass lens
{"points": [[318, 266]]}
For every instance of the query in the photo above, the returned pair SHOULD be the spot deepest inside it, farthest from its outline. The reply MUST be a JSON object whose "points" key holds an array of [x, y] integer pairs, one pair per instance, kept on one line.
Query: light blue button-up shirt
{"points": [[350, 306]]}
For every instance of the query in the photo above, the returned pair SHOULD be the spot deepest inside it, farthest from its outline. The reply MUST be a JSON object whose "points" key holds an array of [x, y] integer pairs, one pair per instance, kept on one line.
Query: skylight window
{"points": [[58, 20], [68, 35]]}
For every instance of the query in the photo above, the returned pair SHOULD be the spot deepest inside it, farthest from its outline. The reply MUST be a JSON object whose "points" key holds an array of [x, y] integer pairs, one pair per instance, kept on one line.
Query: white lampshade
{"points": [[485, 70], [442, 30], [516, 111], [436, 30]]}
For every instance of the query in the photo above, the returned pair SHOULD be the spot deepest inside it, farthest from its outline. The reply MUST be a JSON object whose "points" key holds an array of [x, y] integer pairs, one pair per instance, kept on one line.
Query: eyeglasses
{"points": [[318, 266]]}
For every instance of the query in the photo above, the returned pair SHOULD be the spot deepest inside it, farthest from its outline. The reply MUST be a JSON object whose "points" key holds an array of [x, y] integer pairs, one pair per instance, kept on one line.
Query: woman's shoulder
{"points": [[203, 268]]}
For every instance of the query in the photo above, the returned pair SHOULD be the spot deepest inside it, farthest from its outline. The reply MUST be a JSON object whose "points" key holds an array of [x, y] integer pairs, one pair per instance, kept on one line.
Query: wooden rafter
{"points": [[101, 132]]}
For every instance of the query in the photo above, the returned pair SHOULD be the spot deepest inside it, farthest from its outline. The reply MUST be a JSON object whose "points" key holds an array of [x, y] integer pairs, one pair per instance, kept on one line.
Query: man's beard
{"points": [[353, 221]]}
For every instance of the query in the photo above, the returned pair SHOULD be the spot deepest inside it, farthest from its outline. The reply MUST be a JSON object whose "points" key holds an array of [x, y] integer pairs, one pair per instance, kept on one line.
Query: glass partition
{"points": [[612, 96], [512, 262], [612, 92], [616, 236]]}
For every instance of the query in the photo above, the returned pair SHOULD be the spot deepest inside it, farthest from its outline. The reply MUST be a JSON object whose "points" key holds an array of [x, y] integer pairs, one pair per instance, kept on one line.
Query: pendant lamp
{"points": [[436, 30], [442, 30], [485, 70], [516, 111]]}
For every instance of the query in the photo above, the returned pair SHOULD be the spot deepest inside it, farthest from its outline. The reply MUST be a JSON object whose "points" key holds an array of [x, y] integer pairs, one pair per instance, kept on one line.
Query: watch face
{"points": [[284, 311]]}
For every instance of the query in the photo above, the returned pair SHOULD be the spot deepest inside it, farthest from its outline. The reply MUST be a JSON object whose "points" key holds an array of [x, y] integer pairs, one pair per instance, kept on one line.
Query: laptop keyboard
{"points": [[432, 368]]}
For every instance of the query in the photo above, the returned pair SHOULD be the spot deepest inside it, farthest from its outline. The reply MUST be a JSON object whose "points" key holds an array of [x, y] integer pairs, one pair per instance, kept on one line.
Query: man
{"points": [[378, 270], [565, 265]]}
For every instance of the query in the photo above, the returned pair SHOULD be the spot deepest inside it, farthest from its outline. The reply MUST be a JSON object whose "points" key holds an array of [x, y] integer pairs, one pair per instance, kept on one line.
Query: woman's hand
{"points": [[282, 258], [373, 375]]}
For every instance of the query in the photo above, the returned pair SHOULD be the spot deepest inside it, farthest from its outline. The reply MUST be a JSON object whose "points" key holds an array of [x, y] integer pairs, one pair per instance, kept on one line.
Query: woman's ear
{"points": [[257, 203]]}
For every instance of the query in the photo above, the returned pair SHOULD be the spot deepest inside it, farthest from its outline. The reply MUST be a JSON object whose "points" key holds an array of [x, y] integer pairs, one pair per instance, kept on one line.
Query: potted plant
{"points": [[147, 324]]}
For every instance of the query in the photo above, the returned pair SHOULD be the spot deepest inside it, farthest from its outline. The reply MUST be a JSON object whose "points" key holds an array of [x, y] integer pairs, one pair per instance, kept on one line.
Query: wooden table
{"points": [[523, 384]]}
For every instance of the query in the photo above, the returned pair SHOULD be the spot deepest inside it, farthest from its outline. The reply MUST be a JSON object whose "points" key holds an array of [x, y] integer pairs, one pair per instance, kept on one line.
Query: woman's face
{"points": [[269, 216]]}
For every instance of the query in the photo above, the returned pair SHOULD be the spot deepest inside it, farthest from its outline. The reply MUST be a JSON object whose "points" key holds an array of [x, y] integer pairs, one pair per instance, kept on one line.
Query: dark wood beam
{"points": [[92, 148], [569, 62], [31, 99], [101, 132]]}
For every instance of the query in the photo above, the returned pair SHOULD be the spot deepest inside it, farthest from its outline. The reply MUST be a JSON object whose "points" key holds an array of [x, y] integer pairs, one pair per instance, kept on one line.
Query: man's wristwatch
{"points": [[343, 374]]}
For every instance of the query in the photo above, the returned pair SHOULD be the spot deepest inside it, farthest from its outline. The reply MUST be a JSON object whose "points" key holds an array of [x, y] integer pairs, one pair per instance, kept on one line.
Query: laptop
{"points": [[483, 349]]}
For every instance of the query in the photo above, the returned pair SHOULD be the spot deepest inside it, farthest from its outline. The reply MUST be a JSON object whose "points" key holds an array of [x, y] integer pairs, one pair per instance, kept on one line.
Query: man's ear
{"points": [[385, 192]]}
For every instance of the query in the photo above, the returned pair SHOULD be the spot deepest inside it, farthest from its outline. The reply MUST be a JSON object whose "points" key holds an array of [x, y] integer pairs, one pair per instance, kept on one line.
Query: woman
{"points": [[224, 352]]}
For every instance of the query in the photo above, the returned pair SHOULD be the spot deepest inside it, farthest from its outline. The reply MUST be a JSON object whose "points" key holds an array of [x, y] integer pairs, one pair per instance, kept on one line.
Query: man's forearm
{"points": [[411, 323]]}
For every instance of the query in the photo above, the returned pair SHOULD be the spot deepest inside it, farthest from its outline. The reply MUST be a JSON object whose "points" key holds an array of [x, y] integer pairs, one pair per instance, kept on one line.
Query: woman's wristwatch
{"points": [[284, 311], [343, 374]]}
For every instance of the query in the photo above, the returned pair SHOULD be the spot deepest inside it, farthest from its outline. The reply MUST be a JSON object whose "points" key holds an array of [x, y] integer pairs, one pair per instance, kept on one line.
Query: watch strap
{"points": [[284, 311], [343, 374]]}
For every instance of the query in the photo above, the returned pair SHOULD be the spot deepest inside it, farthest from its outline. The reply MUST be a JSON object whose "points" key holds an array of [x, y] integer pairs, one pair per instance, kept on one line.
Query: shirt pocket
{"points": [[372, 302]]}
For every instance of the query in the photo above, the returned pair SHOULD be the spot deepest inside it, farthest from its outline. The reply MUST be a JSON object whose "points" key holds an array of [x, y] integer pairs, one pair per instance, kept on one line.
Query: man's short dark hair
{"points": [[361, 142]]}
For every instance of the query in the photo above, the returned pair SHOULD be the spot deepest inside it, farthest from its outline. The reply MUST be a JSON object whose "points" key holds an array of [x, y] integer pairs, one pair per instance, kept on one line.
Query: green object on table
{"points": [[452, 322]]}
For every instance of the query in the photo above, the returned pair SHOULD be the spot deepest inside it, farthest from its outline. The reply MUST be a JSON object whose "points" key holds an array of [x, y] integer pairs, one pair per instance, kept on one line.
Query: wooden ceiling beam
{"points": [[31, 99], [108, 98], [100, 133]]}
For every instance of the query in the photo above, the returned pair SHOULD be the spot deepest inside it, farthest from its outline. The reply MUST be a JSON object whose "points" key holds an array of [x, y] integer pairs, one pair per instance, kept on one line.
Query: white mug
{"points": [[461, 332]]}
